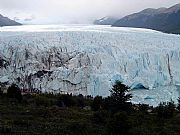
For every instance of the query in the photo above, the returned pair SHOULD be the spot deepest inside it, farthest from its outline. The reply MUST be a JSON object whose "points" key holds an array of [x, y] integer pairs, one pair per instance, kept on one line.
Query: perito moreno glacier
{"points": [[88, 59]]}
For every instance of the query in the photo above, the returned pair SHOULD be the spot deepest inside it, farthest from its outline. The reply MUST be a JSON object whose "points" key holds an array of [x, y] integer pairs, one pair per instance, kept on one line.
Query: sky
{"points": [[74, 11]]}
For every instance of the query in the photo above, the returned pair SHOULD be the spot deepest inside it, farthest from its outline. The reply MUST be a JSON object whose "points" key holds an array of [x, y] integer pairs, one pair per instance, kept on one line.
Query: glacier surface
{"points": [[88, 59]]}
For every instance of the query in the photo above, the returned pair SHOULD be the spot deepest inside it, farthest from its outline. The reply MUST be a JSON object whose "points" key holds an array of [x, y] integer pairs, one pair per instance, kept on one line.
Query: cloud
{"points": [[69, 11]]}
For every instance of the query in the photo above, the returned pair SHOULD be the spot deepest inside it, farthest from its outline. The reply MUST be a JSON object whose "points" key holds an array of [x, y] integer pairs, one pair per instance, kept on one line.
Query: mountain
{"points": [[87, 60], [162, 19], [4, 21], [105, 21]]}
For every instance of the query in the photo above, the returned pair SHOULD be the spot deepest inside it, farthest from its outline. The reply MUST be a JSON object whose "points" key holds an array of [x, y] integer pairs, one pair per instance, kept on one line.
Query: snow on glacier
{"points": [[88, 59]]}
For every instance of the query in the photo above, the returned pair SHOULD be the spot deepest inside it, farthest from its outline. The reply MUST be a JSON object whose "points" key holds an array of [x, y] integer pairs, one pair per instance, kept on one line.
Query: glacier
{"points": [[88, 59]]}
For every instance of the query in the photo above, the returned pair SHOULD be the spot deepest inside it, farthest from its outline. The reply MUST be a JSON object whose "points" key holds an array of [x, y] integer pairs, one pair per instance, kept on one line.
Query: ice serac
{"points": [[88, 59]]}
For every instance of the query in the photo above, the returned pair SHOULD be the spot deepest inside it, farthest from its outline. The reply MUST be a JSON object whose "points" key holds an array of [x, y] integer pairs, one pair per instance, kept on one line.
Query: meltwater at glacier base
{"points": [[88, 59]]}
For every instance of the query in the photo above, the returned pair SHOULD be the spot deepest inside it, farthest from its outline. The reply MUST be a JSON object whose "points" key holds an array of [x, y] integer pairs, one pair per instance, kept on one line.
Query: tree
{"points": [[42, 101], [97, 103], [80, 101], [1, 92], [144, 108], [166, 110], [119, 98], [178, 107], [66, 100], [14, 92]]}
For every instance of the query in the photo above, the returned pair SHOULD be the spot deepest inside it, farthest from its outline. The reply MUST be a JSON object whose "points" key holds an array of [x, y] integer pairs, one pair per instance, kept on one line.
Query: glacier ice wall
{"points": [[86, 59]]}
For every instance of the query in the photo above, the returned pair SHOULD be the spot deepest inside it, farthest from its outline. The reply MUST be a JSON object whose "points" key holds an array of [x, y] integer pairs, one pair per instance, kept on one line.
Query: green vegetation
{"points": [[14, 92], [119, 99], [49, 114]]}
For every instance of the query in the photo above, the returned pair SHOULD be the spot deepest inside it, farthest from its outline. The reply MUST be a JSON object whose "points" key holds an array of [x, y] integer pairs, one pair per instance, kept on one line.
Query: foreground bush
{"points": [[166, 110], [119, 124], [97, 103], [42, 101], [14, 92], [178, 106], [68, 114]]}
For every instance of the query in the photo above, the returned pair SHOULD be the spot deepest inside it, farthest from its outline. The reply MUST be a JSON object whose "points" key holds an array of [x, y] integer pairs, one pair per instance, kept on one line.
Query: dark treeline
{"points": [[67, 114]]}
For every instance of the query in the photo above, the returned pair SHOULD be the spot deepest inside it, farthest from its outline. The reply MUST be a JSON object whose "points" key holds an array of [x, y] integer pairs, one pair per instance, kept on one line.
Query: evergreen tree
{"points": [[166, 110], [120, 99], [14, 92], [97, 103], [178, 107], [80, 101], [1, 92], [66, 100]]}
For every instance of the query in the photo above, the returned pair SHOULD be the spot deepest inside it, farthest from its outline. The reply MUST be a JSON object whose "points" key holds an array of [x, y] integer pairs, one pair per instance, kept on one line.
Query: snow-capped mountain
{"points": [[4, 21], [105, 21], [88, 59]]}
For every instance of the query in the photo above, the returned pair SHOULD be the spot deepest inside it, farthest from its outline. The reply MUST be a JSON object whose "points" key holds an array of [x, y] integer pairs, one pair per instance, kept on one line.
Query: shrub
{"points": [[80, 101], [78, 128], [101, 117], [118, 124], [178, 106], [14, 92], [1, 92], [42, 101], [66, 100], [166, 110], [97, 103], [143, 108], [6, 130]]}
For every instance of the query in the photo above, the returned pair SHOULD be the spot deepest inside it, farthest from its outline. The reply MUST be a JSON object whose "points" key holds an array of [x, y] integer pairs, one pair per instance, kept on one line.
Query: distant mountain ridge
{"points": [[161, 19], [5, 21], [105, 21]]}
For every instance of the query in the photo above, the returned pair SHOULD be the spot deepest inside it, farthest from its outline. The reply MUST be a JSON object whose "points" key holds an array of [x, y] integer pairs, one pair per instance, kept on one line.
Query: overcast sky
{"points": [[74, 11]]}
